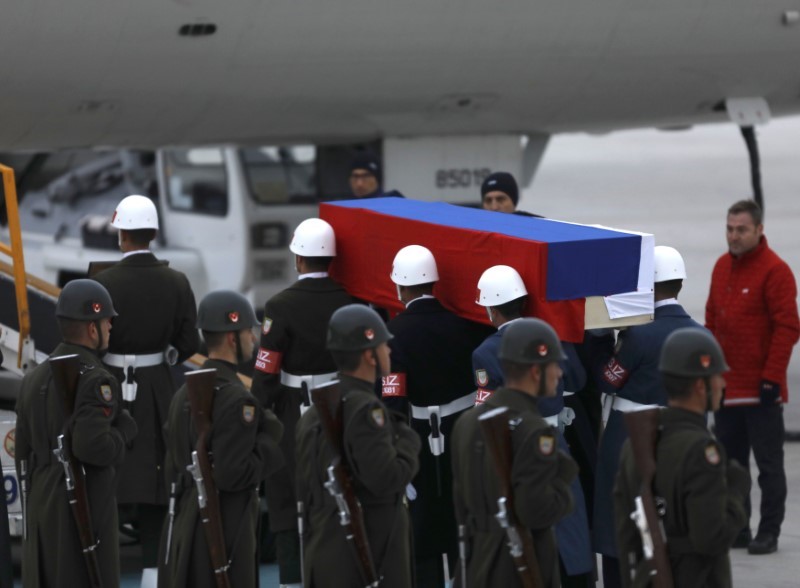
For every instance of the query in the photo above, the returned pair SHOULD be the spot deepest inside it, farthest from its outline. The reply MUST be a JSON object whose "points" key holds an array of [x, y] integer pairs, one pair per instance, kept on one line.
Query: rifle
{"points": [[497, 436], [66, 372], [200, 390], [173, 495], [328, 400], [23, 483], [643, 431]]}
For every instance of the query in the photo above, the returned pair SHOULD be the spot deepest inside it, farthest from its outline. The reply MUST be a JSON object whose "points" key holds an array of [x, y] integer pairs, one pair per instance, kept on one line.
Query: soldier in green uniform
{"points": [[101, 429], [244, 443], [703, 492], [541, 474], [156, 327], [381, 451], [291, 360]]}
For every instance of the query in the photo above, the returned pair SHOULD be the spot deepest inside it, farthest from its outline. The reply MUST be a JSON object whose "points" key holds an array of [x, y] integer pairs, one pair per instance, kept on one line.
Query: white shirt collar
{"points": [[313, 275], [410, 302], [137, 252], [665, 302], [505, 324]]}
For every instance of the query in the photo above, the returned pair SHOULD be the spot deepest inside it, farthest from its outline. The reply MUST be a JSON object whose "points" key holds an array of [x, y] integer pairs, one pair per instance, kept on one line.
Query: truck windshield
{"points": [[281, 175], [196, 180]]}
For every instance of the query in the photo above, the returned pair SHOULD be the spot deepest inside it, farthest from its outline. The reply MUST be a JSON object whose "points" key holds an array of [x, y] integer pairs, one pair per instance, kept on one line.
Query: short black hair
{"points": [[513, 370], [669, 288], [70, 329], [513, 308], [677, 387], [213, 339], [751, 207], [420, 289], [318, 264], [141, 237], [347, 361]]}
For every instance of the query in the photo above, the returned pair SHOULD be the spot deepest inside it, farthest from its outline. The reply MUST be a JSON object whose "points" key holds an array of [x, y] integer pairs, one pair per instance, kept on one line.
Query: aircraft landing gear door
{"points": [[199, 214]]}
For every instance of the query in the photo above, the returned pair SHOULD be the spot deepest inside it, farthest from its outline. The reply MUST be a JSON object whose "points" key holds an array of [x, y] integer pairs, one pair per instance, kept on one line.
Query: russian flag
{"points": [[560, 263]]}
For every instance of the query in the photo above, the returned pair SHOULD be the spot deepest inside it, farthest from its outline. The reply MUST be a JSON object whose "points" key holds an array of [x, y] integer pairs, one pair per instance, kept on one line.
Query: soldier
{"points": [[431, 353], [244, 440], [631, 380], [502, 292], [702, 492], [291, 360], [155, 329], [100, 428], [530, 353], [380, 450]]}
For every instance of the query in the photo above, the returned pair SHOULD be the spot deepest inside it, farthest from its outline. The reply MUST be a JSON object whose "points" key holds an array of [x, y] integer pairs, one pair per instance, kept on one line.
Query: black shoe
{"points": [[743, 539], [763, 543]]}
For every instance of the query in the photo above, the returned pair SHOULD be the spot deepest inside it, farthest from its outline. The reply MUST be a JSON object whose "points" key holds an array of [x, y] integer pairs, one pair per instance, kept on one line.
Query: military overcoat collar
{"points": [[424, 306], [226, 371], [672, 311], [316, 285], [349, 383], [516, 400], [679, 417], [88, 356]]}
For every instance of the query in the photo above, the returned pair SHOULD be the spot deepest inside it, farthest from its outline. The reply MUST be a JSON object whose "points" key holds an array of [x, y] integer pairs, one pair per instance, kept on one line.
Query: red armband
{"points": [[482, 396], [269, 361], [394, 385], [615, 374]]}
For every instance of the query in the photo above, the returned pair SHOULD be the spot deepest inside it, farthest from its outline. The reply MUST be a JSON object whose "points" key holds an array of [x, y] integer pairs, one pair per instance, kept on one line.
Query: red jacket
{"points": [[752, 311]]}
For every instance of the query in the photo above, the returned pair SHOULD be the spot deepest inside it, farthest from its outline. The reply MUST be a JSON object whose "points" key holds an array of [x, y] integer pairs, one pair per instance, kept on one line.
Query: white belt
{"points": [[423, 413], [435, 413], [311, 382], [129, 363], [625, 405], [137, 361], [315, 381]]}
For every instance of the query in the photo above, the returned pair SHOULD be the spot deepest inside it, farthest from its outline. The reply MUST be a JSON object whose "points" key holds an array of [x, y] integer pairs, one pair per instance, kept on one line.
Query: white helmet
{"points": [[313, 238], [414, 265], [668, 264], [135, 212], [499, 284]]}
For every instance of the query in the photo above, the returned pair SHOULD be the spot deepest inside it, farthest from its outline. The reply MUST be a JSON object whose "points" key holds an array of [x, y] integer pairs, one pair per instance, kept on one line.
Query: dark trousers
{"points": [[740, 428]]}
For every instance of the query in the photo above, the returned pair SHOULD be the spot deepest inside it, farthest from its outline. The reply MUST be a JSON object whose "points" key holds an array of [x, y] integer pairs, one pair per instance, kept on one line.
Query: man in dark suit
{"points": [[292, 359], [155, 329], [432, 379]]}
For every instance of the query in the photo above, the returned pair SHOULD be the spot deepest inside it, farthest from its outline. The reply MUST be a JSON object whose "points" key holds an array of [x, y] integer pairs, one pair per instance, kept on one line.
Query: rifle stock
{"points": [[200, 391], [497, 436], [643, 432], [328, 401], [66, 373]]}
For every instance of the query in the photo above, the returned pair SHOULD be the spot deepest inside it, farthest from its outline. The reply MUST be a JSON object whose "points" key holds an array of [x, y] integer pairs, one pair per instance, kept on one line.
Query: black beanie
{"points": [[367, 161], [501, 182]]}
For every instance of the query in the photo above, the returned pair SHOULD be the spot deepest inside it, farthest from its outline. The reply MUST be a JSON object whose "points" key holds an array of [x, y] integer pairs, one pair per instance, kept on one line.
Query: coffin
{"points": [[577, 276]]}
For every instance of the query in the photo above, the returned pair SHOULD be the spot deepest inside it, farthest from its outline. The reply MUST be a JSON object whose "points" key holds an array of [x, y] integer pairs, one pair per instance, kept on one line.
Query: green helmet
{"points": [[692, 352], [225, 310], [356, 327], [530, 341], [85, 300]]}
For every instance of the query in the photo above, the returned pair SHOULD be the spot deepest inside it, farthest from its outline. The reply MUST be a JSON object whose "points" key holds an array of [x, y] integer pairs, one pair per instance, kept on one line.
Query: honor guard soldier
{"points": [[502, 292], [155, 329], [291, 360], [535, 488], [698, 492], [631, 382], [431, 353], [380, 452], [244, 441], [99, 430]]}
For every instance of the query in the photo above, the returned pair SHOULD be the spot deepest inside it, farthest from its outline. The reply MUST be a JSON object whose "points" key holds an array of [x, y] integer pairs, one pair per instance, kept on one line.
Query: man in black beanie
{"points": [[365, 176], [499, 192]]}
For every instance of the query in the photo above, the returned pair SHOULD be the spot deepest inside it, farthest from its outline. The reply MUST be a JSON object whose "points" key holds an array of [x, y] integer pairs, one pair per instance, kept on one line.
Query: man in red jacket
{"points": [[752, 311]]}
